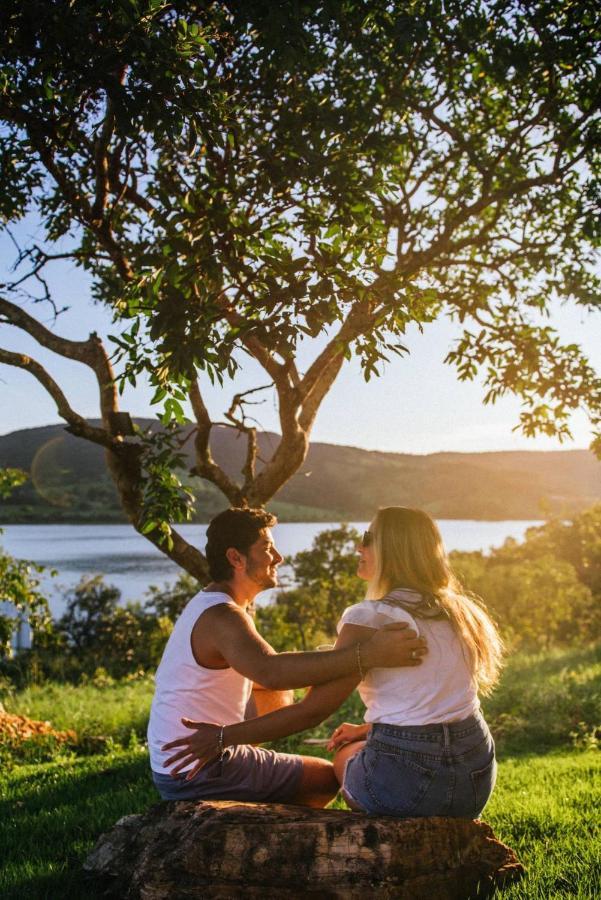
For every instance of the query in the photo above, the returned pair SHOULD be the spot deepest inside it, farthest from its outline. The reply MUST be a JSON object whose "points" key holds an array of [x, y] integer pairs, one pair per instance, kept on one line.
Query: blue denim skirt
{"points": [[423, 770]]}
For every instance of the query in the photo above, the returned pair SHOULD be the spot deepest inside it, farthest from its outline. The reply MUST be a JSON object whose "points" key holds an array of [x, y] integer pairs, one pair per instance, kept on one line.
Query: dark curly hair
{"points": [[235, 527]]}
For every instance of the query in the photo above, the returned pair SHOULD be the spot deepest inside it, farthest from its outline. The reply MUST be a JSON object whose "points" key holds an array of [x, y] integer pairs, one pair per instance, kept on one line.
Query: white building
{"points": [[21, 638]]}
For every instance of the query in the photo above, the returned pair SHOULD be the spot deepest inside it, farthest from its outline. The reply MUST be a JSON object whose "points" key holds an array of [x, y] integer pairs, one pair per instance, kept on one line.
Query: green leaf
{"points": [[148, 527]]}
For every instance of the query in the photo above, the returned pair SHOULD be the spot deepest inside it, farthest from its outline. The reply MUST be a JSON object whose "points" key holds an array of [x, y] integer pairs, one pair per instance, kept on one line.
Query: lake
{"points": [[132, 564]]}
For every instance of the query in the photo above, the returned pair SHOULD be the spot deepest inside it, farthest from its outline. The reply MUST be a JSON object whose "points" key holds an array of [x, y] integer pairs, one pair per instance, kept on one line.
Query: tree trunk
{"points": [[219, 849]]}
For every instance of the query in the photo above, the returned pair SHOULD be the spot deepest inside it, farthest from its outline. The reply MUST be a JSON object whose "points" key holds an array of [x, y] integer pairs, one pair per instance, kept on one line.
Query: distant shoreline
{"points": [[4, 523], [69, 483]]}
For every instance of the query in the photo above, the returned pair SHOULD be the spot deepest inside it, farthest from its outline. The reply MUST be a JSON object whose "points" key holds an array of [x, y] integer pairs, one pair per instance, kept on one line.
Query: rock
{"points": [[218, 850]]}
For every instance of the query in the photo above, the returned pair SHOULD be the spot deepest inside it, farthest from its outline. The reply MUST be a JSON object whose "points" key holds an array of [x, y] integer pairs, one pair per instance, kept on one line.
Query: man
{"points": [[214, 655]]}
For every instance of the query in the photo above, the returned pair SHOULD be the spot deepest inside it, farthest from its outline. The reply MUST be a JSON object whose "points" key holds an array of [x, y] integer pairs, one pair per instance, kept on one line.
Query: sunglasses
{"points": [[367, 539]]}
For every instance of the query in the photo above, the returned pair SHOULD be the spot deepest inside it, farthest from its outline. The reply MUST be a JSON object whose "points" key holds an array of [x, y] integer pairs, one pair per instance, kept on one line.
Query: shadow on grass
{"points": [[56, 815]]}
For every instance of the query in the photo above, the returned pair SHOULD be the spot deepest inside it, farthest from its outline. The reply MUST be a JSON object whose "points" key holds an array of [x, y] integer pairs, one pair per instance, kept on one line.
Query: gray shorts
{"points": [[244, 773]]}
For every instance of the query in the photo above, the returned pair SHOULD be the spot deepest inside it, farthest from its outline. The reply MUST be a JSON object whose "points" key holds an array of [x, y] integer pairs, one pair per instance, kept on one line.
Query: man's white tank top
{"points": [[186, 689]]}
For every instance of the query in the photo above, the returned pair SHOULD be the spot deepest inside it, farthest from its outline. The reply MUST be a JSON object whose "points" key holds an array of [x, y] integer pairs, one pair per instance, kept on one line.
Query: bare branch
{"points": [[78, 425], [238, 402], [71, 192], [91, 352], [39, 259], [206, 466]]}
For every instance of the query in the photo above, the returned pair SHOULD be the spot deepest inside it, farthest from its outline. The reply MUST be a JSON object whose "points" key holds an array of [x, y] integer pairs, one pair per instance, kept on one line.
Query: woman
{"points": [[425, 749]]}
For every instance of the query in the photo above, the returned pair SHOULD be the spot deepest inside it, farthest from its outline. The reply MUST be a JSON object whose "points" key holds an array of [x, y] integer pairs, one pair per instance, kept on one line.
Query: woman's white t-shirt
{"points": [[441, 689], [185, 689]]}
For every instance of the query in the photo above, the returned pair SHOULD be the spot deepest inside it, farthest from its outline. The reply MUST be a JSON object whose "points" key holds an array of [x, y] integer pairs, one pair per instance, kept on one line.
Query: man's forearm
{"points": [[280, 723], [283, 671], [317, 704]]}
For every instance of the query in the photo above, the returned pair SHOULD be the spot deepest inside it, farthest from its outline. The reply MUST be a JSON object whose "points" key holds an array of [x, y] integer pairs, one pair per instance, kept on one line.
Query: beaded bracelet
{"points": [[359, 666], [220, 747]]}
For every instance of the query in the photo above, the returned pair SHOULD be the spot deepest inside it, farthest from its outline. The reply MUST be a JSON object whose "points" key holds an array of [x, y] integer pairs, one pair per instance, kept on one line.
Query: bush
{"points": [[546, 591], [19, 582], [94, 629], [325, 583]]}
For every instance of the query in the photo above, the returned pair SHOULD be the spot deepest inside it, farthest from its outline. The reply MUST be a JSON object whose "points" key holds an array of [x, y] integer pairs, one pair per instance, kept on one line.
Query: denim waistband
{"points": [[431, 731]]}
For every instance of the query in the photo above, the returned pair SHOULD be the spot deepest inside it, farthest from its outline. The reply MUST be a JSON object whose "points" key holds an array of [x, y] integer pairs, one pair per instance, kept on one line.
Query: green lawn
{"points": [[546, 804], [547, 809], [52, 814], [100, 708]]}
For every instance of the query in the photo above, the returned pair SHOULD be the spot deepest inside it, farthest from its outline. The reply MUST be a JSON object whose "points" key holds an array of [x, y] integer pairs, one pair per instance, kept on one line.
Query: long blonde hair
{"points": [[409, 553]]}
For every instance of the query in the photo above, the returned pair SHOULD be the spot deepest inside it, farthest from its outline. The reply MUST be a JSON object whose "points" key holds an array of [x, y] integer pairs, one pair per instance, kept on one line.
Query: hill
{"points": [[69, 481]]}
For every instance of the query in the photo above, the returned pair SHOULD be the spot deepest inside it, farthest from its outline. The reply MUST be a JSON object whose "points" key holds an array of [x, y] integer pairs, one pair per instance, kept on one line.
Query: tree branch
{"points": [[249, 468], [91, 353], [206, 466], [322, 373], [123, 460], [101, 162], [78, 425]]}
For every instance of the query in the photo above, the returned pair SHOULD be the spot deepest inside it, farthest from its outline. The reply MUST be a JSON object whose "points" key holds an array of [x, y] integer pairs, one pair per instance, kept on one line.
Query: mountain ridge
{"points": [[69, 481]]}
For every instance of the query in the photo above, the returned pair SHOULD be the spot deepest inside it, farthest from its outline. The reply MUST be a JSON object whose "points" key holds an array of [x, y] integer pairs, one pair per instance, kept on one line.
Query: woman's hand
{"points": [[347, 733], [200, 747]]}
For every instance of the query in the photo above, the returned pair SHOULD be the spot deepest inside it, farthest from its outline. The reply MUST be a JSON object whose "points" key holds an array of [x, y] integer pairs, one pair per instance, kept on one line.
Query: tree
{"points": [[544, 591], [538, 602], [325, 583], [90, 606], [95, 627], [169, 601], [239, 179], [576, 542]]}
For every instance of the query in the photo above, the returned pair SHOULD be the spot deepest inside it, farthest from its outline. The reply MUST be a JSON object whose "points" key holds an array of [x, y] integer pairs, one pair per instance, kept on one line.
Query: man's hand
{"points": [[200, 747], [393, 645]]}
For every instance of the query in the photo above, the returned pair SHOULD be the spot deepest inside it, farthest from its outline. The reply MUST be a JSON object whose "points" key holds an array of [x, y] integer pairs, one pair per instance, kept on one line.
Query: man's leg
{"points": [[318, 784], [256, 775]]}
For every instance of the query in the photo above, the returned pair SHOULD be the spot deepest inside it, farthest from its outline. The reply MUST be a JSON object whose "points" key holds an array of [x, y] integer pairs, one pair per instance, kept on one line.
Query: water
{"points": [[132, 564]]}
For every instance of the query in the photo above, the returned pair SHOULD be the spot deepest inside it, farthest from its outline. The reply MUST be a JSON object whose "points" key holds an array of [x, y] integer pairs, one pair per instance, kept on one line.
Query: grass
{"points": [[54, 812], [549, 700], [103, 707], [547, 809], [547, 713], [543, 807]]}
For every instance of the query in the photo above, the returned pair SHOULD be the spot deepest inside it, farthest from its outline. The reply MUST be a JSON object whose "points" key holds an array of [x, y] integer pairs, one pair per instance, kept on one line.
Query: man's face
{"points": [[262, 561]]}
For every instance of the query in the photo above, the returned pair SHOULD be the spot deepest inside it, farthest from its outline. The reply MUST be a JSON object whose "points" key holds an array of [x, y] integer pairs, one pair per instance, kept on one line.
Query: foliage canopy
{"points": [[241, 179]]}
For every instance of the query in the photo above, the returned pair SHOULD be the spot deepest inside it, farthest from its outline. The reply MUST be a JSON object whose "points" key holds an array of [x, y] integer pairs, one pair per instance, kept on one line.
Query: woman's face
{"points": [[367, 562]]}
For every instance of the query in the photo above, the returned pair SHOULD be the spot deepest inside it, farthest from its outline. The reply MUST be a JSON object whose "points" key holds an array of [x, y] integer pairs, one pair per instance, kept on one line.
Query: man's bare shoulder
{"points": [[226, 615]]}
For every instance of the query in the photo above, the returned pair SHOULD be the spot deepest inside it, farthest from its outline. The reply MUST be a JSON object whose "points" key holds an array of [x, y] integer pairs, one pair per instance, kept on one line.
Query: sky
{"points": [[416, 406]]}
